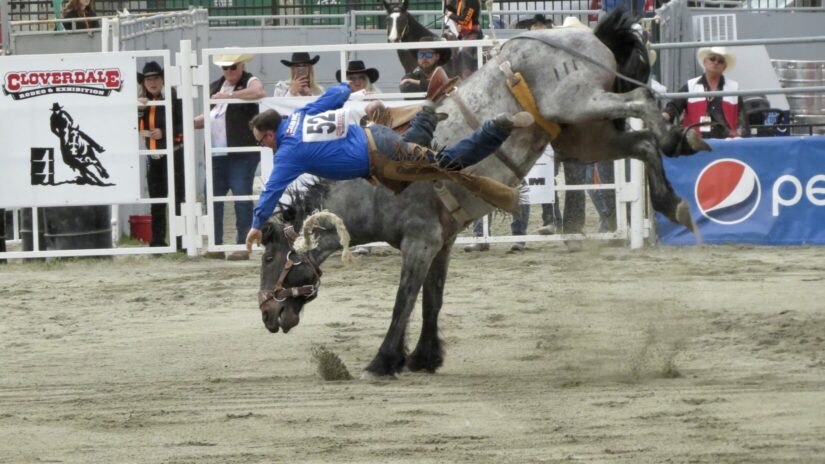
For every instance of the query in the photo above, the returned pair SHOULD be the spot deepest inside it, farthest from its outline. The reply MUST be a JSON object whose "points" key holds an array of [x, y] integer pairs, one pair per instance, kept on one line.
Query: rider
{"points": [[317, 139]]}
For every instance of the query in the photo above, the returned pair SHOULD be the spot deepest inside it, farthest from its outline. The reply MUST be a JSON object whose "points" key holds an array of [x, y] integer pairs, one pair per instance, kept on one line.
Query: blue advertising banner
{"points": [[767, 191]]}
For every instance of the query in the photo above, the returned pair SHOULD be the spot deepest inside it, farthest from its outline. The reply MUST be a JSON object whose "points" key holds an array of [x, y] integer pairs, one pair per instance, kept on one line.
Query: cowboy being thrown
{"points": [[317, 139]]}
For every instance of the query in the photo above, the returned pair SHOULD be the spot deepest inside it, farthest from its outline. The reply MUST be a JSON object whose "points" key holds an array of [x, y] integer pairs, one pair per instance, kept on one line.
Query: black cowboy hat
{"points": [[56, 107], [301, 58], [444, 54], [358, 67], [151, 68]]}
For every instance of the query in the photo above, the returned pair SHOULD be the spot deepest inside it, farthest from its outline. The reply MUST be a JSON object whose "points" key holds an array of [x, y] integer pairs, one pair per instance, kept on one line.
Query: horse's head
{"points": [[398, 20], [290, 266]]}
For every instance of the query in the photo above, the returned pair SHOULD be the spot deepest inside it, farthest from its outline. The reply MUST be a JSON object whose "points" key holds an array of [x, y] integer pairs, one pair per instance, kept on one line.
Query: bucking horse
{"points": [[573, 81]]}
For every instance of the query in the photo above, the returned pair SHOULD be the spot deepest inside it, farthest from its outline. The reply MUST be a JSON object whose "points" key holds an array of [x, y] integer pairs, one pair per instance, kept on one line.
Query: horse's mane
{"points": [[306, 202], [616, 31]]}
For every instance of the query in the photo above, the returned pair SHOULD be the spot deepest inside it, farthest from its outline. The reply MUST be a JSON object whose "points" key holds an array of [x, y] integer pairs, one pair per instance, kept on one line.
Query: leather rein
{"points": [[281, 293]]}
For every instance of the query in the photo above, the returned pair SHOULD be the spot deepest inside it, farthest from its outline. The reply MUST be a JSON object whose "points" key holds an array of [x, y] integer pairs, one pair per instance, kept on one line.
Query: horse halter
{"points": [[279, 292]]}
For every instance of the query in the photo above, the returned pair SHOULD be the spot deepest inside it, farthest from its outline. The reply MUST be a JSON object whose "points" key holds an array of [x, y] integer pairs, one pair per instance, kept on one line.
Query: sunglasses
{"points": [[427, 55], [716, 59], [230, 68], [261, 140]]}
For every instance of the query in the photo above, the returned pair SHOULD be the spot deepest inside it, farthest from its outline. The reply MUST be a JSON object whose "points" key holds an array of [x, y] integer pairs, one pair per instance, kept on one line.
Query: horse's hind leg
{"points": [[417, 256], [429, 354]]}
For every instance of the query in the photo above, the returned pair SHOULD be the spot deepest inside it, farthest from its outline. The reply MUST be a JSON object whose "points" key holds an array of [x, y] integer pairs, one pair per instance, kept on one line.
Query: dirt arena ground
{"points": [[678, 355]]}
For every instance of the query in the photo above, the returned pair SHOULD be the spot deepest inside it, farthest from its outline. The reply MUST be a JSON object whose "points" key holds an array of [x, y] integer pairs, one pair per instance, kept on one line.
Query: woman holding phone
{"points": [[302, 77]]}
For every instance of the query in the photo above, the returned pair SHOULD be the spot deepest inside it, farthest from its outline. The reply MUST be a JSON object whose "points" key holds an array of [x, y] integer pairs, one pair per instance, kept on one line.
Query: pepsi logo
{"points": [[727, 191]]}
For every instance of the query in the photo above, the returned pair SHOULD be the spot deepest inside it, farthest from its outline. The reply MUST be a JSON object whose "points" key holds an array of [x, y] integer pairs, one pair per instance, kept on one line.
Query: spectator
{"points": [[711, 117], [152, 124], [230, 128], [428, 60], [353, 153], [79, 9], [465, 14], [361, 79], [301, 81]]}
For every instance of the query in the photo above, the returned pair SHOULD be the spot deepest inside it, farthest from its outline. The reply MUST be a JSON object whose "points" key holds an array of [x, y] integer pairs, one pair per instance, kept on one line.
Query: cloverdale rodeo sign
{"points": [[69, 130]]}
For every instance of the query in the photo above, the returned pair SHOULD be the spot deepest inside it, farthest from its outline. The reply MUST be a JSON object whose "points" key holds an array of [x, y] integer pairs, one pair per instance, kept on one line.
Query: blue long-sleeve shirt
{"points": [[315, 139]]}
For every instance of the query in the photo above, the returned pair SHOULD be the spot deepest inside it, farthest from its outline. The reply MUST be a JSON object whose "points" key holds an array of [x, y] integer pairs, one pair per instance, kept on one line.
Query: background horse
{"points": [[403, 27], [568, 89]]}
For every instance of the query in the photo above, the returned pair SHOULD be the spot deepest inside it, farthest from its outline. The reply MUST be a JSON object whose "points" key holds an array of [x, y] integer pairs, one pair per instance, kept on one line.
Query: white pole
{"points": [[191, 237], [636, 212], [104, 36]]}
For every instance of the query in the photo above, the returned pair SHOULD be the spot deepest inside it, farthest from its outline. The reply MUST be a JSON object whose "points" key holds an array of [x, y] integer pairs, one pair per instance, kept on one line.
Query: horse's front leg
{"points": [[429, 354], [643, 146], [638, 103], [416, 255]]}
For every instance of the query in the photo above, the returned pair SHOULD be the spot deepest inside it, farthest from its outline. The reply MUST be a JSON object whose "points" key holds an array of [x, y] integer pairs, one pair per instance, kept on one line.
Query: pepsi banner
{"points": [[766, 191]]}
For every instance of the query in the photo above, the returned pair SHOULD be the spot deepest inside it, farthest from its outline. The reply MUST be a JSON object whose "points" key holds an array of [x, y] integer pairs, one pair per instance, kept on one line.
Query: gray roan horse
{"points": [[568, 89]]}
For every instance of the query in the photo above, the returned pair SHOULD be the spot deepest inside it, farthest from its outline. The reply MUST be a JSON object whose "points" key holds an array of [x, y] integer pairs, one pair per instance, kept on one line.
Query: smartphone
{"points": [[301, 71]]}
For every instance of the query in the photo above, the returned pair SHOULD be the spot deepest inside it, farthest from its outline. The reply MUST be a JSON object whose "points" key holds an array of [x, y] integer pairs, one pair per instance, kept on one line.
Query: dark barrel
{"points": [[78, 227]]}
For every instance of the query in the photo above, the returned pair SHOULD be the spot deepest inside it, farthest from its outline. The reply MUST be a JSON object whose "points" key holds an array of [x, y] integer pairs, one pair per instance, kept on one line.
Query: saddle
{"points": [[398, 118]]}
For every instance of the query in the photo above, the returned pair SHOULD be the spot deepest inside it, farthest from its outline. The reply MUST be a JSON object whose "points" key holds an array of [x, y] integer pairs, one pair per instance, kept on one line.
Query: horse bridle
{"points": [[279, 292]]}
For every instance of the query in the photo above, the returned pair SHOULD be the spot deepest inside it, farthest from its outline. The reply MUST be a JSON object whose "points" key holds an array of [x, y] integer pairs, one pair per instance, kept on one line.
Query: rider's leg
{"points": [[421, 128], [482, 142]]}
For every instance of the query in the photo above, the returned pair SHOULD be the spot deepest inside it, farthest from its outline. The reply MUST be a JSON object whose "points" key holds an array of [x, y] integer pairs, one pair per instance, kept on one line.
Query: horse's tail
{"points": [[616, 31]]}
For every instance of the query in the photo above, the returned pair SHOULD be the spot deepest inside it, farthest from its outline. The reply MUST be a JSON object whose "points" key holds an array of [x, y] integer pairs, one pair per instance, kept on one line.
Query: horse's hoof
{"points": [[683, 216], [696, 142]]}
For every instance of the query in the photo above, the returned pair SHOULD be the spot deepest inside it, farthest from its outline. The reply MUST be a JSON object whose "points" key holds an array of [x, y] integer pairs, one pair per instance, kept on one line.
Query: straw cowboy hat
{"points": [[232, 58], [444, 54], [301, 58], [704, 52], [358, 67], [572, 22]]}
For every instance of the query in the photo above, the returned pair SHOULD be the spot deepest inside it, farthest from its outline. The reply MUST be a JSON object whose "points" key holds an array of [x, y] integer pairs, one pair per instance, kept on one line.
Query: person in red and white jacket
{"points": [[718, 117]]}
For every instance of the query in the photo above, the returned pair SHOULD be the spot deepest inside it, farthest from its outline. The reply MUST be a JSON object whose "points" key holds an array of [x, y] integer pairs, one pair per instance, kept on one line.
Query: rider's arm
{"points": [[332, 99], [282, 175]]}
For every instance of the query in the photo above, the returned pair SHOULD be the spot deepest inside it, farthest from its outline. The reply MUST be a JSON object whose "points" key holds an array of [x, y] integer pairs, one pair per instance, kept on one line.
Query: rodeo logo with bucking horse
{"points": [[78, 150]]}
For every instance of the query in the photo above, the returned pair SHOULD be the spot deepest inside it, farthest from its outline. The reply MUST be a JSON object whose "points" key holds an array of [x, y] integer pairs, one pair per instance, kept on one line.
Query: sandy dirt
{"points": [[683, 355]]}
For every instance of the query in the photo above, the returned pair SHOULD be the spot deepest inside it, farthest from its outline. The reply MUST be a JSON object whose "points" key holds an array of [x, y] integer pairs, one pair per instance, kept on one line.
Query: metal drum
{"points": [[805, 108]]}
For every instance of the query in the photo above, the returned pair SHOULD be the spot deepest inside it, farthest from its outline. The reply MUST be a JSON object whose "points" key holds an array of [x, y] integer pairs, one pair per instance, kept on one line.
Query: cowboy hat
{"points": [[572, 22], [301, 58], [232, 58], [704, 52], [56, 107], [151, 68], [537, 19], [358, 67], [444, 54]]}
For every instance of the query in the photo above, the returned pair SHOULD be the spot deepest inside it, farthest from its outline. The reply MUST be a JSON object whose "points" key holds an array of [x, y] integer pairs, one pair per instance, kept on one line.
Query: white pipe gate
{"points": [[193, 225]]}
